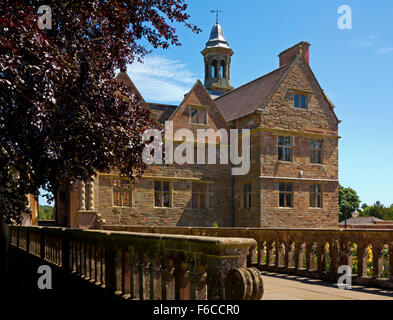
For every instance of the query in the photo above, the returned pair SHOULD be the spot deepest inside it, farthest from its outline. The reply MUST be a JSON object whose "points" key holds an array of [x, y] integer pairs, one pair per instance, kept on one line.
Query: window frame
{"points": [[199, 109], [247, 195], [285, 193], [300, 94], [207, 193], [284, 146], [162, 192], [314, 151], [313, 198], [121, 190]]}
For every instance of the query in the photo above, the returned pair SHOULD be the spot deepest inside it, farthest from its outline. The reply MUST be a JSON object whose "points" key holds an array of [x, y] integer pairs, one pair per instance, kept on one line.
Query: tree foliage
{"points": [[348, 201], [62, 114], [378, 210]]}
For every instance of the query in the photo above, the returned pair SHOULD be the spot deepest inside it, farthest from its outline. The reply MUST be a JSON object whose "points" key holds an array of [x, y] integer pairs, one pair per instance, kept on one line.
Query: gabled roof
{"points": [[203, 96], [361, 220], [162, 111], [250, 96]]}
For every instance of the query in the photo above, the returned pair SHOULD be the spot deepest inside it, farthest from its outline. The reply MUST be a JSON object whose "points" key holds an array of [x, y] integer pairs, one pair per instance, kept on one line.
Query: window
{"points": [[300, 100], [198, 115], [284, 148], [201, 198], [214, 69], [316, 151], [315, 195], [222, 69], [285, 195], [162, 194], [121, 193], [247, 195]]}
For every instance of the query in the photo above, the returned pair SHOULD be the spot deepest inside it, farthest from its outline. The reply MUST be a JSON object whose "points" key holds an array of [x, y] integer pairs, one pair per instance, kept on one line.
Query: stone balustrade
{"points": [[315, 253], [138, 265]]}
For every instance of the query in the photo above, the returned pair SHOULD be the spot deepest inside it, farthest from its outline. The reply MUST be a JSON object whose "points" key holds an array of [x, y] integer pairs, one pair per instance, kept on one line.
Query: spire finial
{"points": [[216, 11]]}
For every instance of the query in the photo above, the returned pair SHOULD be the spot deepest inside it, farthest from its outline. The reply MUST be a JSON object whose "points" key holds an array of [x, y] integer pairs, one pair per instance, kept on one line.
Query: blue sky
{"points": [[354, 67]]}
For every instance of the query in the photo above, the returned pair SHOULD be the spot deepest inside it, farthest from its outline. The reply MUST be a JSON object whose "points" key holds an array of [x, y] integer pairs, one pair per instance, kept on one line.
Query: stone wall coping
{"points": [[209, 241], [353, 230]]}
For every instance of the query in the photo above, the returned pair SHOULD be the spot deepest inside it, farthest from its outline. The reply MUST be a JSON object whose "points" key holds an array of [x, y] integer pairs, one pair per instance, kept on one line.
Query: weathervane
{"points": [[216, 11]]}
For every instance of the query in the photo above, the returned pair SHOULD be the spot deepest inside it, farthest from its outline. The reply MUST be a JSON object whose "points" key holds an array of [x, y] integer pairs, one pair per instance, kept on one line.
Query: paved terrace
{"points": [[290, 287]]}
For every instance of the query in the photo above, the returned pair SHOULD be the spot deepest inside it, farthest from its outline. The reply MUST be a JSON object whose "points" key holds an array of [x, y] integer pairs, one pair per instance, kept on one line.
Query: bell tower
{"points": [[217, 57]]}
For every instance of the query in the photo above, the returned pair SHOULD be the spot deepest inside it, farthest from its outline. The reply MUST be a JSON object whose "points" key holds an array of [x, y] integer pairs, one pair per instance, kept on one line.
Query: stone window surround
{"points": [[121, 192], [162, 192], [198, 108], [247, 195], [290, 147], [285, 192], [207, 194], [314, 193], [315, 150]]}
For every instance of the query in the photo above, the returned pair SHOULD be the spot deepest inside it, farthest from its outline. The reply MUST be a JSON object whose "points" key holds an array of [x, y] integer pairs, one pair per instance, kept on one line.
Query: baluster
{"points": [[279, 255], [168, 280], [98, 277], [135, 272], [309, 257], [103, 266], [71, 256], [345, 255], [83, 260], [146, 277], [77, 259], [118, 271], [156, 293], [287, 254], [126, 283], [362, 261], [182, 281], [296, 254], [269, 253], [88, 261], [334, 252], [198, 286], [321, 258], [93, 265], [261, 253], [377, 260]]}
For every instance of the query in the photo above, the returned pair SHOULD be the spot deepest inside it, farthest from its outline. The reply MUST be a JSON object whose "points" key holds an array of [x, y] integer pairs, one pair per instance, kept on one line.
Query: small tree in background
{"points": [[348, 201]]}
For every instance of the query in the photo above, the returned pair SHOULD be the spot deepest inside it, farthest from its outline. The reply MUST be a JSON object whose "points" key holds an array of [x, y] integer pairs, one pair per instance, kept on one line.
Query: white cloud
{"points": [[370, 41], [161, 80], [384, 50], [380, 47]]}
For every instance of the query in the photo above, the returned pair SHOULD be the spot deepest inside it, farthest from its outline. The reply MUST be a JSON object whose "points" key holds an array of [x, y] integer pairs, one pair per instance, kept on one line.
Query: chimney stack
{"points": [[289, 54]]}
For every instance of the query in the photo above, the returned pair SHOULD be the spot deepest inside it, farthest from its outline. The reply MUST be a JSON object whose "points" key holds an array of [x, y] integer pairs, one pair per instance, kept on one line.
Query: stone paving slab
{"points": [[287, 287]]}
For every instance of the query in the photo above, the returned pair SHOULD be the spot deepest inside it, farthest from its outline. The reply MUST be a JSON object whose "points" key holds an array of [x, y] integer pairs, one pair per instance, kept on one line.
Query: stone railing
{"points": [[315, 253], [141, 265]]}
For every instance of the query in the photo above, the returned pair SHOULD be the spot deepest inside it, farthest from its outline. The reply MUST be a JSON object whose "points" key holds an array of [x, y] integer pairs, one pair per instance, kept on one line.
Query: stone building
{"points": [[293, 176]]}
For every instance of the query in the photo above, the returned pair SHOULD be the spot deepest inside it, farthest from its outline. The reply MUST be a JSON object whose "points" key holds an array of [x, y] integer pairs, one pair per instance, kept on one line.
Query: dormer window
{"points": [[198, 115], [300, 100]]}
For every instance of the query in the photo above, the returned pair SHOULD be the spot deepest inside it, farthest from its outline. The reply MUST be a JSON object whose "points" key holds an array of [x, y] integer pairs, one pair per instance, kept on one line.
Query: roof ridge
{"points": [[163, 104], [247, 83]]}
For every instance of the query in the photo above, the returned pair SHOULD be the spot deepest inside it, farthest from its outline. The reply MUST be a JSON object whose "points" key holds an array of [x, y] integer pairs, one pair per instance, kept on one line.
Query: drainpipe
{"points": [[233, 200]]}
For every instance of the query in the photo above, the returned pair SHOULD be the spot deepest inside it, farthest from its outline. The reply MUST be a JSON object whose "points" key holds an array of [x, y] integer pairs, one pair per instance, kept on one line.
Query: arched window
{"points": [[222, 69], [214, 69]]}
